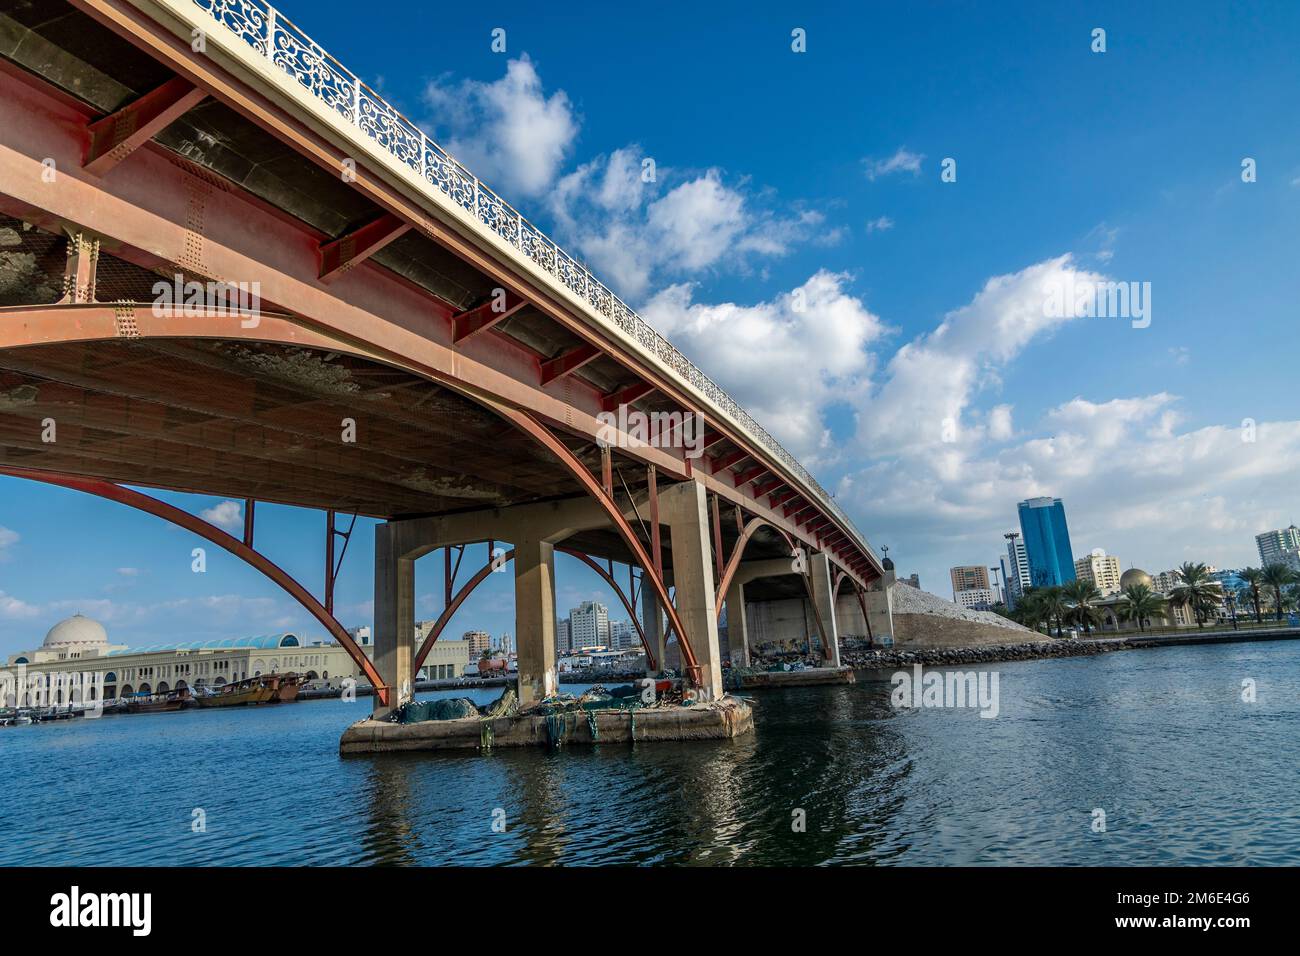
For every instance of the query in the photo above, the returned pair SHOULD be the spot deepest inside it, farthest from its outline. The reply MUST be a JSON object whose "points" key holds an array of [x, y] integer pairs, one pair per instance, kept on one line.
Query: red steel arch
{"points": [[160, 509]]}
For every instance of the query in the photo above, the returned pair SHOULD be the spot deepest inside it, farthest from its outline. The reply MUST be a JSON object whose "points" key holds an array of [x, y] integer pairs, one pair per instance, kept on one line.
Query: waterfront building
{"points": [[1101, 569], [80, 645], [1047, 541], [589, 625], [446, 659], [623, 636], [1273, 544], [478, 643], [974, 599], [563, 636], [968, 577]]}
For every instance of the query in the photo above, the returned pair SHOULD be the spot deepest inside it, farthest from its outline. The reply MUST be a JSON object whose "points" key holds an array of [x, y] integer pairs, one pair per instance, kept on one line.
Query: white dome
{"points": [[76, 630]]}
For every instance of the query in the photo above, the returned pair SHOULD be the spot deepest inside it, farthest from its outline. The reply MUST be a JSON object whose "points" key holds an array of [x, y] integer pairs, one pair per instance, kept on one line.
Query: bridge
{"points": [[228, 266]]}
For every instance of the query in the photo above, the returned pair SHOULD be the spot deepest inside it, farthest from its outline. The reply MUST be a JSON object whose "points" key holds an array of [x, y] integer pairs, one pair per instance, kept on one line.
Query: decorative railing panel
{"points": [[272, 35]]}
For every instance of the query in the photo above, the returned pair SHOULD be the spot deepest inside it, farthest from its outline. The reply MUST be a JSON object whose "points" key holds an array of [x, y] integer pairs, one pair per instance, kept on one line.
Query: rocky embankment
{"points": [[982, 654]]}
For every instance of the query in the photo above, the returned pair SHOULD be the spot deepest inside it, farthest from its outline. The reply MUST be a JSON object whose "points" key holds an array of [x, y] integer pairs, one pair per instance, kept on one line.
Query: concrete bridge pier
{"points": [[737, 626], [535, 619], [684, 508], [823, 595], [394, 617], [652, 622]]}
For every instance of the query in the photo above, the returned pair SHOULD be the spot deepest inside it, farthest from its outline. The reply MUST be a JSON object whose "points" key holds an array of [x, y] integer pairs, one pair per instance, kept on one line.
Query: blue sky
{"points": [[820, 171]]}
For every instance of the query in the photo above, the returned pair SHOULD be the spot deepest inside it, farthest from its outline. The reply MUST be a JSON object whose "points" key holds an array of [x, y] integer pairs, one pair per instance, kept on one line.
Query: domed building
{"points": [[1135, 576], [74, 638]]}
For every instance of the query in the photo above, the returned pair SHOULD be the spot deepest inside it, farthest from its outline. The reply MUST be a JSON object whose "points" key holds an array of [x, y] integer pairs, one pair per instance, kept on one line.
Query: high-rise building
{"points": [[1015, 568], [969, 577], [563, 637], [622, 636], [589, 625], [1273, 545], [479, 641], [1101, 569], [1047, 541]]}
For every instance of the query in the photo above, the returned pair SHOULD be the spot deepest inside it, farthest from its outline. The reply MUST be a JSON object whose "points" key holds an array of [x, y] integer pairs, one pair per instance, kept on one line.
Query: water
{"points": [[1159, 739]]}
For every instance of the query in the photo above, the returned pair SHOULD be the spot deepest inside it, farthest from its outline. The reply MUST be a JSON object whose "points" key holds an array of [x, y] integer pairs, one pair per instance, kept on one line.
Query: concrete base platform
{"points": [[808, 678], [728, 718]]}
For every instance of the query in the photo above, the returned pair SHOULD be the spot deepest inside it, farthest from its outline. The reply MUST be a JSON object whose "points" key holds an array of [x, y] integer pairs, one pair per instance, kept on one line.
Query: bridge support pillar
{"points": [[823, 594], [652, 622], [737, 626], [394, 618], [535, 619], [683, 508]]}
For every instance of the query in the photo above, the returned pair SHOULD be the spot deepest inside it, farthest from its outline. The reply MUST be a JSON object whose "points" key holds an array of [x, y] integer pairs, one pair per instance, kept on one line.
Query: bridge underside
{"points": [[398, 367]]}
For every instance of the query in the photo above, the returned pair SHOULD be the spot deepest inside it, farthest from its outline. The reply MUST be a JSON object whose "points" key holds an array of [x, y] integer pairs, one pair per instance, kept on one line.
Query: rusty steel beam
{"points": [[160, 509], [353, 248], [116, 136], [566, 363], [745, 477], [497, 309]]}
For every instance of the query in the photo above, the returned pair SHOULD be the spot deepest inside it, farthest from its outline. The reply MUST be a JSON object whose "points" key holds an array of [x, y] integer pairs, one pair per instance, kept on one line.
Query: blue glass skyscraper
{"points": [[1047, 541]]}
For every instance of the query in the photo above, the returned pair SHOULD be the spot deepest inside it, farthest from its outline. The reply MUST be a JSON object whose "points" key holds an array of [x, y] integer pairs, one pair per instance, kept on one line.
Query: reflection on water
{"points": [[1159, 739]]}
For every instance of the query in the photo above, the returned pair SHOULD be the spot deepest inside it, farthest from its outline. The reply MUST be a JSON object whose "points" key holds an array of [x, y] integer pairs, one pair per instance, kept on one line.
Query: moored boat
{"points": [[252, 690], [158, 703], [287, 691]]}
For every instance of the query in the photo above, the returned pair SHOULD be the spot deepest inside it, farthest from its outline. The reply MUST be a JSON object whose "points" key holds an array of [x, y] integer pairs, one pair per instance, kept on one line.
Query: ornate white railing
{"points": [[275, 37]]}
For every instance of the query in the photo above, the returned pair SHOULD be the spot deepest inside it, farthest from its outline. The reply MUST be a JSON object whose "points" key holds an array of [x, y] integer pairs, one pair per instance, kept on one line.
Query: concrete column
{"points": [[682, 508], [737, 626], [394, 619], [652, 621], [535, 619], [819, 566]]}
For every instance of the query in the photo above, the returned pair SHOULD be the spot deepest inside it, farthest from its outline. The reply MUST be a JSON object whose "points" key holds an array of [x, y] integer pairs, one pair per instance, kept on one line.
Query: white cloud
{"points": [[12, 608], [128, 572], [903, 161], [509, 133], [785, 360], [636, 233], [930, 382], [8, 538], [880, 224], [228, 515]]}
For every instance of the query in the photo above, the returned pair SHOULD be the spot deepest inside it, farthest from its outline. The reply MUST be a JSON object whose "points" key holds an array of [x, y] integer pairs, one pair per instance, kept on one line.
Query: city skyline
{"points": [[925, 397]]}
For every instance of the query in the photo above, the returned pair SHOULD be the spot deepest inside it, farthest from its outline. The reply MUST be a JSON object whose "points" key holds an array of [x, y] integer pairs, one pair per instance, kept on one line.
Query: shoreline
{"points": [[1057, 647]]}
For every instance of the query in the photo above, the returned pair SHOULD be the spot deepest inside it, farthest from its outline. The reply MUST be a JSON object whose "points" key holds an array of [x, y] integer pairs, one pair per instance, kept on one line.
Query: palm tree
{"points": [[1277, 577], [1197, 591], [1083, 597], [1052, 603], [1254, 579], [1139, 604], [1028, 609]]}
